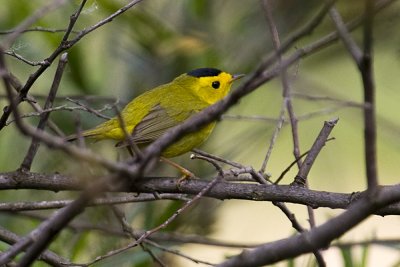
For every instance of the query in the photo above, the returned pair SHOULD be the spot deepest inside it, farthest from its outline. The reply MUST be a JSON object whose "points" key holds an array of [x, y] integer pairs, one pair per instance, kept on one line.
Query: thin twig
{"points": [[89, 98], [274, 137], [344, 34], [328, 98], [301, 177], [305, 30], [147, 234], [321, 112], [56, 204], [293, 163], [40, 112], [178, 253], [168, 237], [36, 29], [249, 118], [289, 167], [209, 160], [129, 230], [19, 57], [110, 18], [214, 157], [132, 146], [92, 110], [285, 83], [9, 40], [34, 103], [241, 169], [287, 103], [363, 60], [33, 148]]}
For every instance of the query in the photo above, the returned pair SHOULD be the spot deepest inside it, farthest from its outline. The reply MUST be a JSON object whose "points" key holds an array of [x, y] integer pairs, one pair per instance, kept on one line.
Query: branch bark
{"points": [[222, 190], [318, 237]]}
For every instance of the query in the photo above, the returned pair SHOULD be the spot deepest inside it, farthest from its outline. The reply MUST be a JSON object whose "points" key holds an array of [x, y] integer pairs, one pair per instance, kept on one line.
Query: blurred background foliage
{"points": [[159, 39]]}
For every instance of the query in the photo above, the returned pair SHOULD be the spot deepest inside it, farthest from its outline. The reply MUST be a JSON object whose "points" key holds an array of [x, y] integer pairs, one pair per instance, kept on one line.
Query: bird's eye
{"points": [[215, 85]]}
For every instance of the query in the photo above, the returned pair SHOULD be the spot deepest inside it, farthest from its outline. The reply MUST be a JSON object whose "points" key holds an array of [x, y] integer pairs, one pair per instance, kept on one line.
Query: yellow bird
{"points": [[151, 114]]}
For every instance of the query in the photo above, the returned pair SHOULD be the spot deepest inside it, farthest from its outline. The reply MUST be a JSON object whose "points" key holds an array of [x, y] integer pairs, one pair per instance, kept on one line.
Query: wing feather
{"points": [[155, 124]]}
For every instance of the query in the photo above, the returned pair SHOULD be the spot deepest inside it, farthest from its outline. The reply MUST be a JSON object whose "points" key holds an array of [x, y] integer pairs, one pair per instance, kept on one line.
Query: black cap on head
{"points": [[204, 72]]}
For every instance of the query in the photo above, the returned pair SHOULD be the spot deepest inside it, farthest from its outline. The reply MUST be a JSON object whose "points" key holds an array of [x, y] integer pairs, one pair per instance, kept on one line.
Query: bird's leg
{"points": [[185, 172], [130, 151]]}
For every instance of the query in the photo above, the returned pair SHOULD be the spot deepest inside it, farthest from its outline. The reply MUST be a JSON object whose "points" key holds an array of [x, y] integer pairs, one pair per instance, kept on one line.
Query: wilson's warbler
{"points": [[152, 113]]}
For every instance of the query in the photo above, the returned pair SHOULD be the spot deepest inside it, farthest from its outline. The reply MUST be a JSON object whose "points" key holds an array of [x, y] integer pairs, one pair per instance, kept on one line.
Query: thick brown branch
{"points": [[318, 237], [222, 190]]}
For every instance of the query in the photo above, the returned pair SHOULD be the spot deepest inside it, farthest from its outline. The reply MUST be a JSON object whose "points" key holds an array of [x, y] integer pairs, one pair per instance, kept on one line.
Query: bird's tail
{"points": [[74, 137]]}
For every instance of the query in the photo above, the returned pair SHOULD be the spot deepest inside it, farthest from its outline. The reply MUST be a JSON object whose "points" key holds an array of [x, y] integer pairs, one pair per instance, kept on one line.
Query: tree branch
{"points": [[222, 190], [318, 237], [319, 143], [367, 74], [27, 162], [47, 256], [364, 62]]}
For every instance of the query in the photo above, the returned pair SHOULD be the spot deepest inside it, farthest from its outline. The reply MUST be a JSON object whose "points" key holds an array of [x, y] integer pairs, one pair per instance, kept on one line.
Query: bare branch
{"points": [[305, 30], [222, 190], [119, 214], [226, 161], [91, 110], [364, 63], [329, 99], [36, 29], [348, 41], [47, 256], [56, 204], [19, 57], [318, 237], [367, 74], [27, 162], [301, 177]]}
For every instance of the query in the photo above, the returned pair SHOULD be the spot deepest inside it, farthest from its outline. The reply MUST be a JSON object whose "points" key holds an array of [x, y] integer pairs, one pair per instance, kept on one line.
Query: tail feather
{"points": [[74, 137]]}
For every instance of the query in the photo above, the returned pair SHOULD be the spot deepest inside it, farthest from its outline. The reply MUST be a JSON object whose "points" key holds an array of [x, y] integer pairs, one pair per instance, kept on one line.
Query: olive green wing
{"points": [[156, 123]]}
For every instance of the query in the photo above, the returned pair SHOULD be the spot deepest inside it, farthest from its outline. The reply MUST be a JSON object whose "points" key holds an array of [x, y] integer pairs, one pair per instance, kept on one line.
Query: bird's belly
{"points": [[188, 142]]}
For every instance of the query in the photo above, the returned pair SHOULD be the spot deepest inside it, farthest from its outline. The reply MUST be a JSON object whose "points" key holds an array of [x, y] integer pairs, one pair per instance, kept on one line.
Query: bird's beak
{"points": [[237, 77]]}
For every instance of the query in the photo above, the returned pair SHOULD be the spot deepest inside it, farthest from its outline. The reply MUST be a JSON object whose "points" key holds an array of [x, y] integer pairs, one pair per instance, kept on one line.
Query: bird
{"points": [[151, 114]]}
